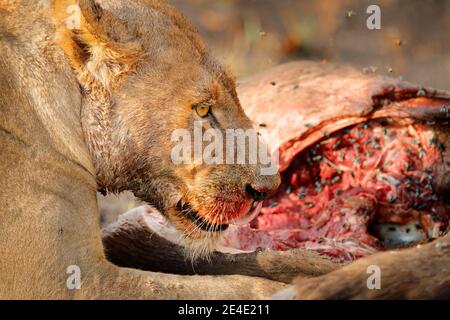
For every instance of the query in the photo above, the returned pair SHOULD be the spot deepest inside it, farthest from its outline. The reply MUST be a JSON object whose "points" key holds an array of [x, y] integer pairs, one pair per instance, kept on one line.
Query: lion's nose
{"points": [[263, 187]]}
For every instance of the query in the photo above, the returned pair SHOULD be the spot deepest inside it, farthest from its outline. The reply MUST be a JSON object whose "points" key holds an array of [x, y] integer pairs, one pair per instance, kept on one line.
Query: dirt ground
{"points": [[250, 36]]}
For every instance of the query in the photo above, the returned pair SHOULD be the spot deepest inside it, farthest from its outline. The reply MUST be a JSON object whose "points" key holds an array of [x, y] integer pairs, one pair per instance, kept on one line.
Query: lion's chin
{"points": [[199, 236]]}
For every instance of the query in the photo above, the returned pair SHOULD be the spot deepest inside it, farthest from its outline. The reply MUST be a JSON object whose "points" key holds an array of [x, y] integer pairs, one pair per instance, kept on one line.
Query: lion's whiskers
{"points": [[204, 247]]}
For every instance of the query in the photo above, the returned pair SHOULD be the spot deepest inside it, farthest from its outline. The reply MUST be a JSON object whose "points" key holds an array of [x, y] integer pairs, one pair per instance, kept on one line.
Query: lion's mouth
{"points": [[186, 210]]}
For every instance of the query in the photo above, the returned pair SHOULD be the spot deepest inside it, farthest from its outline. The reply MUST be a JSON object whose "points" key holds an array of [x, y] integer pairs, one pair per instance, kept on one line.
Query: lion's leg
{"points": [[111, 282], [45, 270], [45, 266], [102, 280], [416, 273]]}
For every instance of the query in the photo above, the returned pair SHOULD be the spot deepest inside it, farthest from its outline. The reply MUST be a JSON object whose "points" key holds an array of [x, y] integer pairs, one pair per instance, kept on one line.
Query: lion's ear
{"points": [[93, 40]]}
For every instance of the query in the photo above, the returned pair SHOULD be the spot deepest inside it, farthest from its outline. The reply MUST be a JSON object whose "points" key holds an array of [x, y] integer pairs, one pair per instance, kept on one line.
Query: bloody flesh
{"points": [[337, 195]]}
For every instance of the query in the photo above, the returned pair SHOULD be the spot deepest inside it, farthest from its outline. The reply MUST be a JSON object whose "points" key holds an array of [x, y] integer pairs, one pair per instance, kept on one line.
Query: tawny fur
{"points": [[92, 109]]}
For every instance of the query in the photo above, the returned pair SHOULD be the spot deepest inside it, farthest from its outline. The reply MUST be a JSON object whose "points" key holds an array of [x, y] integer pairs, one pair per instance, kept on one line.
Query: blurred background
{"points": [[253, 35]]}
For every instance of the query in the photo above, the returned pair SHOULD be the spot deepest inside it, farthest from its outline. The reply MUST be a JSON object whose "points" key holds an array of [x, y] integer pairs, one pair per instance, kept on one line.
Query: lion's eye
{"points": [[202, 109]]}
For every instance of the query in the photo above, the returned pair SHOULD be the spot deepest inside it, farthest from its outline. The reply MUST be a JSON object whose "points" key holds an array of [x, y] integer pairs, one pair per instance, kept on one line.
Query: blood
{"points": [[333, 192]]}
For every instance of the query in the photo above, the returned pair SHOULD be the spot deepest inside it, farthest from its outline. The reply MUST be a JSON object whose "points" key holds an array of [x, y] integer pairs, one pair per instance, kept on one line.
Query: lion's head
{"points": [[145, 75]]}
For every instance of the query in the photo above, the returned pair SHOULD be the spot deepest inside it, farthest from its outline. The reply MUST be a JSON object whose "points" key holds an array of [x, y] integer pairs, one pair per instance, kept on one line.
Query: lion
{"points": [[90, 93]]}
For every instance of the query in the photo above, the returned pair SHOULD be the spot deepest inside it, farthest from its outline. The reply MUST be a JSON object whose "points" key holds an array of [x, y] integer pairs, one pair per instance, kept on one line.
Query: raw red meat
{"points": [[332, 192], [359, 156]]}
